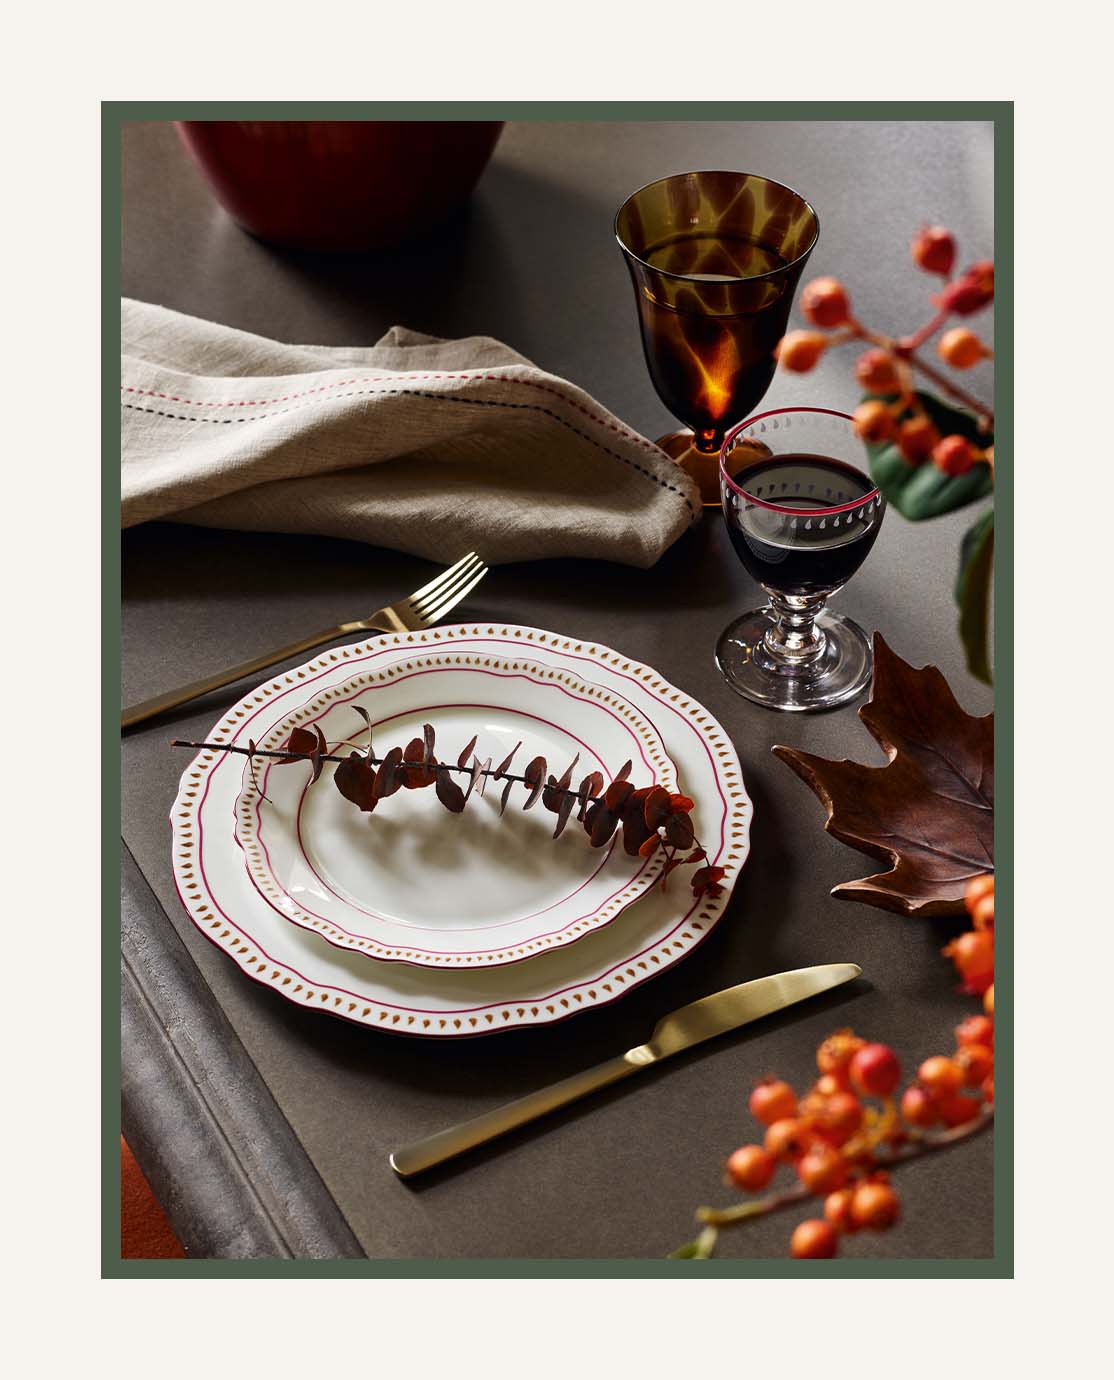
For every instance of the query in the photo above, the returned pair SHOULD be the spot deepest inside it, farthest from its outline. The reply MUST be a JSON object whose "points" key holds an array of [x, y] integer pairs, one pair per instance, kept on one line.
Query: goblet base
{"points": [[700, 466], [839, 672]]}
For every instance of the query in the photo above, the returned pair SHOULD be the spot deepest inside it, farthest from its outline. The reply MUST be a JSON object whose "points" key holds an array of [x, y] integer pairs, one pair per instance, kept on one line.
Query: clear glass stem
{"points": [[793, 639]]}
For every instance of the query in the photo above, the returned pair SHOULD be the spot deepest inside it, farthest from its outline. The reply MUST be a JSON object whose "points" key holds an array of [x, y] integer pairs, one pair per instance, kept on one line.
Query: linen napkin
{"points": [[435, 447]]}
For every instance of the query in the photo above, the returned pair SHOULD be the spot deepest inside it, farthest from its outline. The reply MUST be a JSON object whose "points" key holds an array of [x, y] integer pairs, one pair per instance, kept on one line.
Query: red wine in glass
{"points": [[793, 542]]}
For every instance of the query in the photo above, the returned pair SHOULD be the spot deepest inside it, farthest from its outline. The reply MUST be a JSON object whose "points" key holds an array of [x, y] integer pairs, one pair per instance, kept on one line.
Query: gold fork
{"points": [[422, 609]]}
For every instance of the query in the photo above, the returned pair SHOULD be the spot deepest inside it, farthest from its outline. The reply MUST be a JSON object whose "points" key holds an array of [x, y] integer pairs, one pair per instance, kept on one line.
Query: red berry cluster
{"points": [[886, 368], [842, 1134]]}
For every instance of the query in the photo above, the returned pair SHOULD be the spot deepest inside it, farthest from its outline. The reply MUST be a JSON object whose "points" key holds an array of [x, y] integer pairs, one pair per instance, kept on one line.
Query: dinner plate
{"points": [[306, 969], [411, 882]]}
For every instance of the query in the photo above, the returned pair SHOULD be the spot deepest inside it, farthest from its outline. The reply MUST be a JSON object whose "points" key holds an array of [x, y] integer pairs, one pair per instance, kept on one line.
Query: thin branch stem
{"points": [[905, 350], [925, 1145], [336, 757]]}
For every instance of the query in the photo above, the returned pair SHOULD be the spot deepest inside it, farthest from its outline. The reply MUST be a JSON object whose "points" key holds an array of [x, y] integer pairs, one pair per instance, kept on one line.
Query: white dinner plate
{"points": [[411, 882], [306, 969]]}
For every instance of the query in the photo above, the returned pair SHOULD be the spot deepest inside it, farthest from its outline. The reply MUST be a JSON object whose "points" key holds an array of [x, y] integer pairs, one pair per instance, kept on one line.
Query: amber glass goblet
{"points": [[715, 258]]}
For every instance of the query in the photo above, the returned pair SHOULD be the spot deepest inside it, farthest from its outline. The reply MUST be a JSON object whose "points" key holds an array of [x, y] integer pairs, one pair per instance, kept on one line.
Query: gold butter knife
{"points": [[690, 1025]]}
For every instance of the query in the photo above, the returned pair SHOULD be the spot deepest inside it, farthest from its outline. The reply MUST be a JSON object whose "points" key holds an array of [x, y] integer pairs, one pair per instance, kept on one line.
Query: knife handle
{"points": [[443, 1145]]}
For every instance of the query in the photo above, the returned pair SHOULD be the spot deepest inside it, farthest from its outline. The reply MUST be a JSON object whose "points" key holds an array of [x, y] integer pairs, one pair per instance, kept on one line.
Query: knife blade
{"points": [[682, 1029]]}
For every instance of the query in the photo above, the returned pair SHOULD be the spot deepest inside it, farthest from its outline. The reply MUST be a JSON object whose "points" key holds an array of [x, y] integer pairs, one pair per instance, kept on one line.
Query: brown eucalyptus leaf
{"points": [[650, 847], [388, 778], [302, 741], [477, 776], [601, 823], [506, 796], [430, 738], [506, 762], [462, 760], [551, 796], [448, 792], [657, 807], [668, 868], [679, 831], [367, 720], [590, 786], [415, 774], [355, 779], [635, 834], [484, 771], [556, 792], [930, 810], [535, 779], [624, 771], [321, 748], [564, 811], [616, 794]]}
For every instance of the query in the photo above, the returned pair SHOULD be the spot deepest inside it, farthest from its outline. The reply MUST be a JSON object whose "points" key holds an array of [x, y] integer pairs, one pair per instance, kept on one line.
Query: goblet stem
{"points": [[793, 639]]}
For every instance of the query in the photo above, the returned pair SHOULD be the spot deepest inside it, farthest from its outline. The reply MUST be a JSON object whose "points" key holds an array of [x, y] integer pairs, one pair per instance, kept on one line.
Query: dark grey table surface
{"points": [[280, 1128]]}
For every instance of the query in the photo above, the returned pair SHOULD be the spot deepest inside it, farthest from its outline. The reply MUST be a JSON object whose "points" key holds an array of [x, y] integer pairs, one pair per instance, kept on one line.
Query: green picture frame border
{"points": [[114, 115]]}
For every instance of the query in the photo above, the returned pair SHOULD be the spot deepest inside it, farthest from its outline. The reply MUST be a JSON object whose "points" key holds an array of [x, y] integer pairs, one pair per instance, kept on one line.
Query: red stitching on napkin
{"points": [[437, 397], [388, 378]]}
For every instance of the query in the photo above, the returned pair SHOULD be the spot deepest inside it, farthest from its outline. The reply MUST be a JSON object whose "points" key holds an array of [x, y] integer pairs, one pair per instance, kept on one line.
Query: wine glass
{"points": [[802, 518], [715, 258]]}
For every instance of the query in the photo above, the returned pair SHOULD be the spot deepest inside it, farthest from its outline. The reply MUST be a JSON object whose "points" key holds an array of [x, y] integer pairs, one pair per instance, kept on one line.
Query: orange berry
{"points": [[975, 1030], [875, 1070], [840, 1117], [983, 914], [751, 1168], [974, 288], [973, 955], [828, 1084], [877, 372], [822, 1168], [977, 888], [976, 1062], [961, 348], [836, 1053], [954, 455], [988, 1000], [875, 1206], [799, 350], [940, 1075], [934, 250], [837, 1209], [916, 438], [824, 301], [772, 1100], [873, 421], [957, 1110], [814, 1239], [917, 1107], [788, 1139]]}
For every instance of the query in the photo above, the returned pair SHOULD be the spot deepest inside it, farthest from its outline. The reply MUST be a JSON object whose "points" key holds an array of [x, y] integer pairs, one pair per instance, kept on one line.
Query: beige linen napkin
{"points": [[435, 447]]}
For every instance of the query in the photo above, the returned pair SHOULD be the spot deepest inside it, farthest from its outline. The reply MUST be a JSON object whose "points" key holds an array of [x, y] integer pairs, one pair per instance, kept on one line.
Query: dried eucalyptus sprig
{"points": [[650, 817]]}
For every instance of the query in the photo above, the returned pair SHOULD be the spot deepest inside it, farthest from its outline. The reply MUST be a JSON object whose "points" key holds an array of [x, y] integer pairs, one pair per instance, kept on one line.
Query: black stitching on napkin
{"points": [[437, 397]]}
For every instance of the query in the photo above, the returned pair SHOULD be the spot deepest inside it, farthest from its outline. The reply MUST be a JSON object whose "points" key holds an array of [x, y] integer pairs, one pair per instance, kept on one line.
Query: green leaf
{"points": [[972, 594], [923, 491], [686, 1252]]}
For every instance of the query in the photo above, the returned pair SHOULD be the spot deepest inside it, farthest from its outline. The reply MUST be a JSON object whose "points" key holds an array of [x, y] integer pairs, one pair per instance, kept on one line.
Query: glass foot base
{"points": [[840, 673], [700, 466]]}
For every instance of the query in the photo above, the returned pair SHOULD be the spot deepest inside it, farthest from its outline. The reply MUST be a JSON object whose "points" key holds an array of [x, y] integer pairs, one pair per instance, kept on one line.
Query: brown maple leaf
{"points": [[930, 810]]}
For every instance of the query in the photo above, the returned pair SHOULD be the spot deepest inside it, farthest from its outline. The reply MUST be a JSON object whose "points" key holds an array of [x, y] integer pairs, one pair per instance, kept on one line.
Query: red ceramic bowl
{"points": [[340, 184]]}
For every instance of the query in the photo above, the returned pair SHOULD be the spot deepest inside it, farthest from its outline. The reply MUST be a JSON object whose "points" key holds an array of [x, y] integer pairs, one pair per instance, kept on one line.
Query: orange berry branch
{"points": [[887, 367], [843, 1139]]}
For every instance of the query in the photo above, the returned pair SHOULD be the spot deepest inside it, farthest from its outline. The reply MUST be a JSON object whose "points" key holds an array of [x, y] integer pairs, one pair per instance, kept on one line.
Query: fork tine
{"points": [[453, 600], [446, 574], [431, 602]]}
